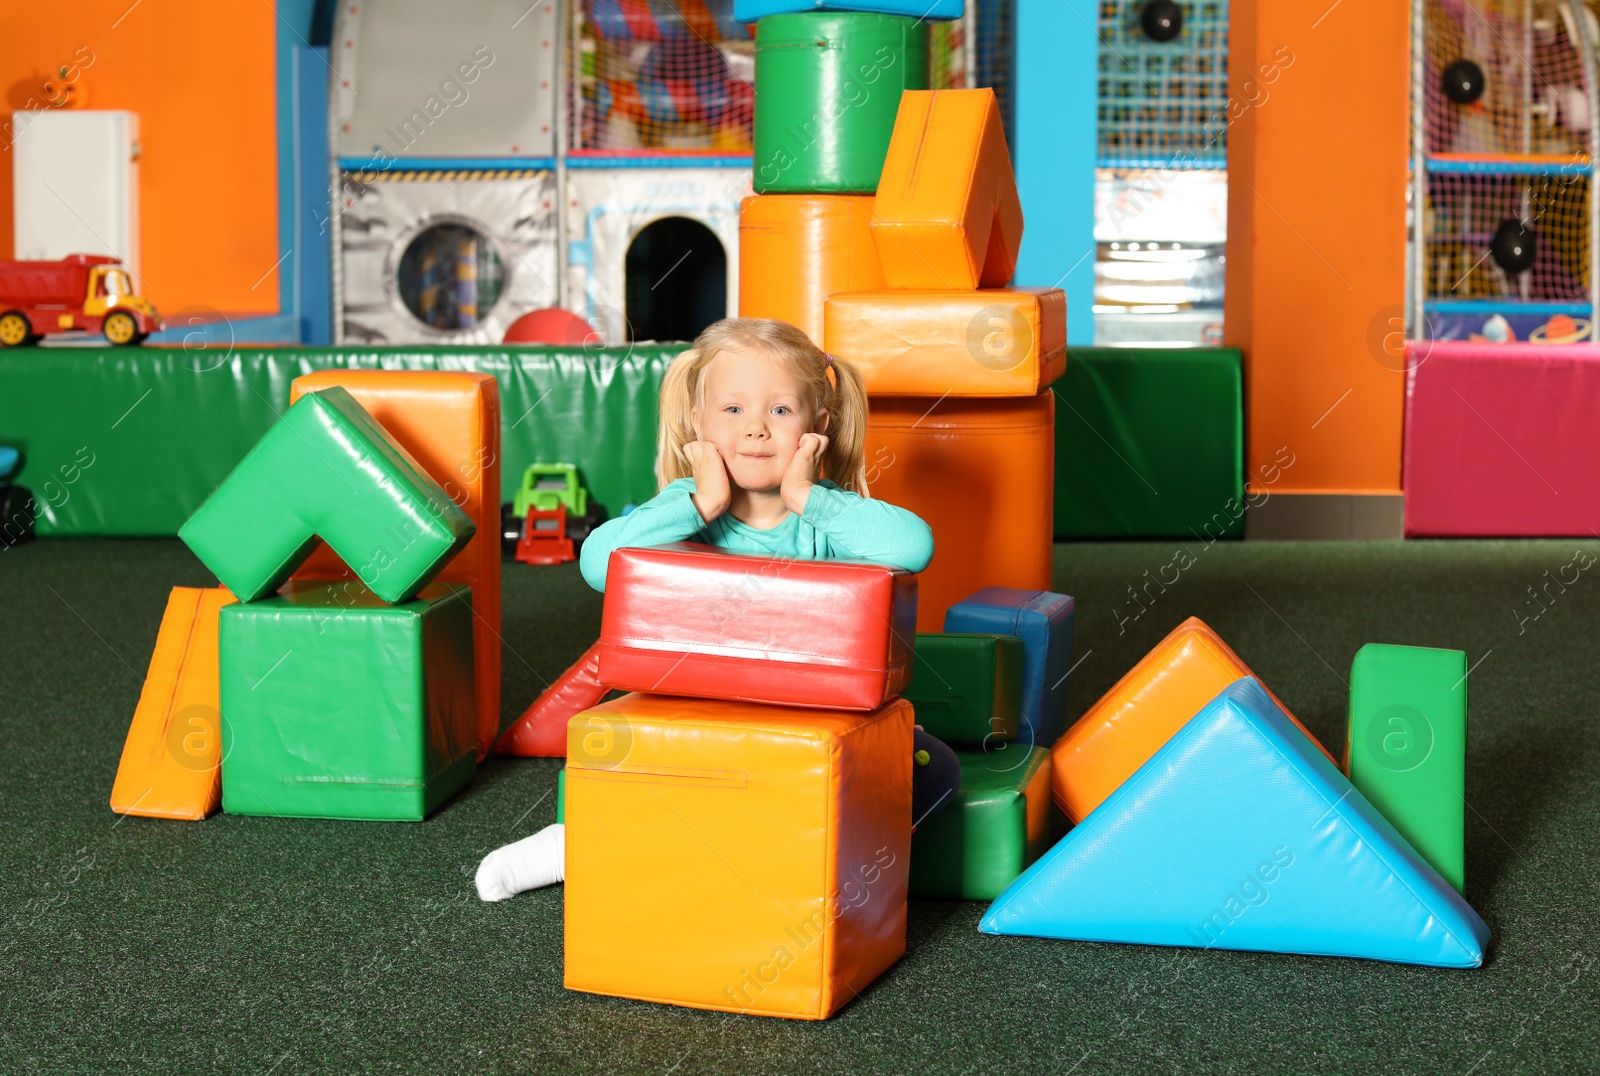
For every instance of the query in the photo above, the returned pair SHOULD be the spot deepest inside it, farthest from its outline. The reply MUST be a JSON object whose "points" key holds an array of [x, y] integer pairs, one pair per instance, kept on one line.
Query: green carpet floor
{"points": [[282, 946]]}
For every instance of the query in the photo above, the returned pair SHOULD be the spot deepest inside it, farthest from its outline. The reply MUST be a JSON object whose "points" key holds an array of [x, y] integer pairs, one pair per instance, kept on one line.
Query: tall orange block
{"points": [[449, 422], [947, 214], [1140, 713], [795, 250], [982, 474], [725, 855]]}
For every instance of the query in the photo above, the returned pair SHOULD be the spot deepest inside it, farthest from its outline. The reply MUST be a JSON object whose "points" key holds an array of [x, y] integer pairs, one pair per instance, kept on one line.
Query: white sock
{"points": [[530, 863]]}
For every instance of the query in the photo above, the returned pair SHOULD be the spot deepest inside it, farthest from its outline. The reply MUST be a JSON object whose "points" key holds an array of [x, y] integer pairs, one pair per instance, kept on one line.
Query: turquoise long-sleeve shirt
{"points": [[836, 525]]}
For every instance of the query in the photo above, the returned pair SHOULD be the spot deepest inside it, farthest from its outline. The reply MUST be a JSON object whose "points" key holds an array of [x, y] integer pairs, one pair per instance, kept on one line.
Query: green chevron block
{"points": [[327, 469], [967, 688], [998, 824], [1407, 747]]}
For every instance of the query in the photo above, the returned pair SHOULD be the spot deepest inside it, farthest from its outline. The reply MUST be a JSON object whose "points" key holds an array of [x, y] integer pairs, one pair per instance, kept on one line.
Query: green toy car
{"points": [[546, 487]]}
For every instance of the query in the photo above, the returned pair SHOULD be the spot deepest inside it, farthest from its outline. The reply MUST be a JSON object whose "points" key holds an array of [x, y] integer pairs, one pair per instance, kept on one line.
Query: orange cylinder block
{"points": [[795, 250]]}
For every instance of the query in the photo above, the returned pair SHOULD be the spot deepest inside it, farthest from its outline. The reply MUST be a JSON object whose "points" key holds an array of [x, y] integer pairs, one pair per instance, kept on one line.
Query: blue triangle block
{"points": [[1240, 834]]}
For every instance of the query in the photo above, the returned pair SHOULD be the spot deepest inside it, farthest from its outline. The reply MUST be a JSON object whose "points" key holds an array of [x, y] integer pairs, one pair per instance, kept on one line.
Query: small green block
{"points": [[338, 705], [327, 469], [1407, 747], [998, 824], [967, 688], [561, 795]]}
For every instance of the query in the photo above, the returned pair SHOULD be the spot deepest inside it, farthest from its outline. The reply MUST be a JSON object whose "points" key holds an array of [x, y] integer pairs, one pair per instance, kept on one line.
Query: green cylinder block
{"points": [[828, 87], [997, 825]]}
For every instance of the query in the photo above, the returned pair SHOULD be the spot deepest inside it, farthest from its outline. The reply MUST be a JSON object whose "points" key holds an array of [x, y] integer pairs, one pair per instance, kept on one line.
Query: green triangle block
{"points": [[1407, 747], [327, 470]]}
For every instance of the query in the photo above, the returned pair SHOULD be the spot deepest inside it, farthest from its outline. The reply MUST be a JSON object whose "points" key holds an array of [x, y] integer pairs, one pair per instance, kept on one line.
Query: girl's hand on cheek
{"points": [[712, 492], [803, 472]]}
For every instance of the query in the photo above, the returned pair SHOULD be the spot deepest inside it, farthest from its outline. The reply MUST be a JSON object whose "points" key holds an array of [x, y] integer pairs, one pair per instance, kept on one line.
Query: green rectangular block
{"points": [[561, 795], [327, 469], [1150, 444], [967, 688], [1407, 747], [997, 826], [336, 704]]}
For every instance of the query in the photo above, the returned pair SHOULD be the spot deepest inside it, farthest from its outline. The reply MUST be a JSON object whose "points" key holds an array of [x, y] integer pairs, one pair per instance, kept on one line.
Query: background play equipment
{"points": [[546, 487], [797, 250], [998, 824], [785, 892], [87, 292], [76, 184], [830, 634], [1044, 622], [967, 689], [551, 325], [1241, 834]]}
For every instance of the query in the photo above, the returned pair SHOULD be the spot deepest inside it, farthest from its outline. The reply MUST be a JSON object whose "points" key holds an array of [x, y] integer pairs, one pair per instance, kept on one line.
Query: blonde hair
{"points": [[844, 395]]}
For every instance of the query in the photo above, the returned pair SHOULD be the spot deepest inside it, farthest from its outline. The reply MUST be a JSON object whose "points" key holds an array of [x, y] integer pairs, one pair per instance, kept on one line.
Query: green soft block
{"points": [[1150, 444], [336, 704], [997, 826], [561, 795], [1407, 747], [828, 87], [967, 688], [327, 469]]}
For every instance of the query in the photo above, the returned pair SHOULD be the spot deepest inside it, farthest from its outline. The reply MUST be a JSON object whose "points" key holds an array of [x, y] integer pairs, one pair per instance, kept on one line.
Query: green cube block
{"points": [[327, 469], [967, 688], [997, 826], [336, 704], [1407, 747], [828, 87], [1150, 444]]}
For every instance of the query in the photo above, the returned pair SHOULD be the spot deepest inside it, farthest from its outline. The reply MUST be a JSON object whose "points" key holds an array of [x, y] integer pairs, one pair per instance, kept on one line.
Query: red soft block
{"points": [[687, 619], [541, 732]]}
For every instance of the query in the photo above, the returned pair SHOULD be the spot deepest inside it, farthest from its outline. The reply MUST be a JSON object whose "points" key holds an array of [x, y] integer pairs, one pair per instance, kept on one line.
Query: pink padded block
{"points": [[1502, 440]]}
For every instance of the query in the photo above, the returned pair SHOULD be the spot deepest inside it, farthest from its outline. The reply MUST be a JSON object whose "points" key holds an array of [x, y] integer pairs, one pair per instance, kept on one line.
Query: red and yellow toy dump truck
{"points": [[81, 291]]}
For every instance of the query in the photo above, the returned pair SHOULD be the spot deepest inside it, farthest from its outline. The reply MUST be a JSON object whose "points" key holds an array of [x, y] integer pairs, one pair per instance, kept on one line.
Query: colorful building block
{"points": [[340, 705], [795, 250], [687, 619], [996, 826], [541, 731], [1044, 622], [981, 473], [1240, 834], [1005, 342], [947, 214], [448, 421], [1407, 747], [169, 761], [751, 10], [1150, 444], [727, 856], [327, 469], [1142, 711], [967, 688], [828, 85]]}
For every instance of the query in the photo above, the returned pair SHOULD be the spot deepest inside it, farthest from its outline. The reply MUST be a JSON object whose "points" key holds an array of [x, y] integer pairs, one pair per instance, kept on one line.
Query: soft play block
{"points": [[687, 619], [340, 705], [1005, 342], [169, 760], [751, 10], [327, 469], [967, 688], [998, 823], [541, 731], [795, 250], [1150, 444], [947, 214], [1141, 712], [722, 855], [1240, 834], [449, 422], [828, 85], [1043, 621], [1502, 439], [1407, 747], [980, 473]]}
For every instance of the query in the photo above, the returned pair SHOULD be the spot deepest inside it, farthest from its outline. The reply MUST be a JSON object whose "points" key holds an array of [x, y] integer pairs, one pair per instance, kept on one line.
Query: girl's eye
{"points": [[781, 410], [732, 409]]}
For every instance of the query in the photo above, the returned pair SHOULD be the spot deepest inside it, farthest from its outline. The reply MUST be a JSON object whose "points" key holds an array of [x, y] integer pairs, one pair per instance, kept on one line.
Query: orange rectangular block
{"points": [[947, 214], [449, 421], [982, 474], [169, 766], [1141, 712], [725, 855], [795, 250], [1004, 342]]}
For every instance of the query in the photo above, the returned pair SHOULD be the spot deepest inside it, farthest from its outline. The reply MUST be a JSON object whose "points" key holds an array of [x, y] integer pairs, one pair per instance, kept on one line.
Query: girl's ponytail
{"points": [[844, 461], [675, 428]]}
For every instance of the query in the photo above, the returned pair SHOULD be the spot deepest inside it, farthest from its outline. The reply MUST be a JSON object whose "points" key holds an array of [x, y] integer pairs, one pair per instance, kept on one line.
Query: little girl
{"points": [[760, 451]]}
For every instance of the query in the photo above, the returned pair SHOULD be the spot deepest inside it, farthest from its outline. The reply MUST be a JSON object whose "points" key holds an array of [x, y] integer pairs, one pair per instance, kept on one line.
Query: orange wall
{"points": [[1319, 96], [199, 73]]}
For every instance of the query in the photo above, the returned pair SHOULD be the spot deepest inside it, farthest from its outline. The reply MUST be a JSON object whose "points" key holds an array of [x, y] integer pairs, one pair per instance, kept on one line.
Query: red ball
{"points": [[551, 326]]}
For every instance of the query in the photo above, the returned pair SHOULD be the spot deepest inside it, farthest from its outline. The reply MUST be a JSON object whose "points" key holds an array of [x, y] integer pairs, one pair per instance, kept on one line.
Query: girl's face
{"points": [[755, 411]]}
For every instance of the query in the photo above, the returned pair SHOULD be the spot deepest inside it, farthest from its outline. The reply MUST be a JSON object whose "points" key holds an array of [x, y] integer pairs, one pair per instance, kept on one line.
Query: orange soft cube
{"points": [[795, 250]]}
